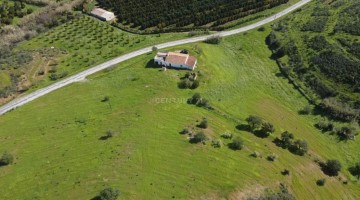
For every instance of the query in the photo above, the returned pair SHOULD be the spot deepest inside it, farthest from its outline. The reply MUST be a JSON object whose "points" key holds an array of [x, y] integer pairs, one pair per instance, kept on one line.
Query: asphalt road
{"points": [[82, 75]]}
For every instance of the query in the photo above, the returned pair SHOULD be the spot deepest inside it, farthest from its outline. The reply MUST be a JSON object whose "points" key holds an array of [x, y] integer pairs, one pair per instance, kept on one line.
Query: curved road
{"points": [[82, 75]]}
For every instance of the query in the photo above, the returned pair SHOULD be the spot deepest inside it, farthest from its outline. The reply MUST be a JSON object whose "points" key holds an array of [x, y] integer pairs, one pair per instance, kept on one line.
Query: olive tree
{"points": [[254, 122], [109, 194]]}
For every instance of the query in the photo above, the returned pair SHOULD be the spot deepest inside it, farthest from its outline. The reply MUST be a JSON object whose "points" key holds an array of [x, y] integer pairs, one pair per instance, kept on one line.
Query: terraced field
{"points": [[60, 151]]}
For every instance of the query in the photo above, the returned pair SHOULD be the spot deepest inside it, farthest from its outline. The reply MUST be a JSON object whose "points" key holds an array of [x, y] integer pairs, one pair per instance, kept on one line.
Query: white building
{"points": [[176, 60], [103, 14]]}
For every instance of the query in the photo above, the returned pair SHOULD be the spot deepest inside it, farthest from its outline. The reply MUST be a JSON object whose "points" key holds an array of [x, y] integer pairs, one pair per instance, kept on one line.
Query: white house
{"points": [[103, 14], [176, 60]]}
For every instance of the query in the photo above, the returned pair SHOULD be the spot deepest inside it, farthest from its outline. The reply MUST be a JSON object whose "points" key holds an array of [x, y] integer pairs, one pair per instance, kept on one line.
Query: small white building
{"points": [[103, 14], [176, 60]]}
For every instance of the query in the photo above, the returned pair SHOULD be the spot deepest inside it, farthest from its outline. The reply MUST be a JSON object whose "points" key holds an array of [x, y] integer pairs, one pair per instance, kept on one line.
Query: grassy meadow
{"points": [[59, 153]]}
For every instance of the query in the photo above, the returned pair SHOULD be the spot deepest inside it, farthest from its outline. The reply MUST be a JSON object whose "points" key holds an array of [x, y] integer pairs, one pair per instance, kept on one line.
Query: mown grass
{"points": [[55, 139]]}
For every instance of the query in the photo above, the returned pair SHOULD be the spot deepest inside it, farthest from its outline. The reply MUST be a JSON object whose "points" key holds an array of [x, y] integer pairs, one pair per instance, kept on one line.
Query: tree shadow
{"points": [[325, 169], [278, 143], [243, 127], [96, 198], [260, 134], [104, 137], [152, 64], [233, 147]]}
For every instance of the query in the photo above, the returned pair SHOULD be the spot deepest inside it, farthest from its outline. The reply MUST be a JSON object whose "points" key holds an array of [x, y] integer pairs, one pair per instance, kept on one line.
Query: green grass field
{"points": [[58, 154]]}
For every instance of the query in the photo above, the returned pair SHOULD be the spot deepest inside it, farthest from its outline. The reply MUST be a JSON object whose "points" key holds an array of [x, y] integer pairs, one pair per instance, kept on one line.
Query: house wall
{"points": [[162, 62]]}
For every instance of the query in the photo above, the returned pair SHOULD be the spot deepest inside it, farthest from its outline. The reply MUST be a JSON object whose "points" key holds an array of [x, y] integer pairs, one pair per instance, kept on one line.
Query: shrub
{"points": [[109, 134], [254, 122], [185, 131], [237, 144], [195, 84], [213, 40], [196, 99], [324, 126], [283, 194], [105, 99], [321, 182], [109, 194], [216, 143], [6, 159], [272, 157], [204, 123], [154, 48], [255, 154], [53, 76], [355, 170], [300, 147], [227, 135], [267, 128], [286, 172], [261, 28], [286, 139], [198, 137], [346, 133], [306, 110], [331, 167], [338, 110]]}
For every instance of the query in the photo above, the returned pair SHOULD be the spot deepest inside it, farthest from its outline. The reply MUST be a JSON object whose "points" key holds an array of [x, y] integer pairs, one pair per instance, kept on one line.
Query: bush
{"points": [[272, 157], [286, 172], [109, 134], [338, 110], [204, 124], [261, 28], [185, 131], [255, 154], [105, 99], [216, 143], [320, 182], [196, 99], [346, 133], [109, 194], [324, 126], [227, 135], [195, 84], [254, 122], [286, 139], [237, 144], [283, 194], [267, 128], [213, 40], [300, 147], [355, 170], [6, 159], [306, 110], [331, 167], [198, 137]]}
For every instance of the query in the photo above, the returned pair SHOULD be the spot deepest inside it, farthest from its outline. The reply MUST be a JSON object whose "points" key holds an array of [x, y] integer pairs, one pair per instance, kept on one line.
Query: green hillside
{"points": [[62, 151], [319, 49]]}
